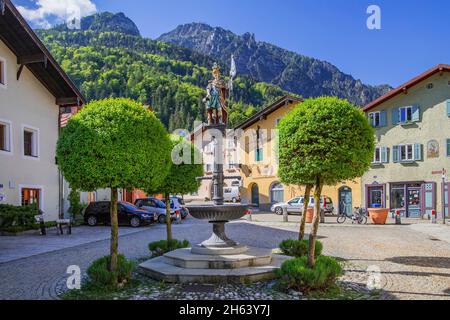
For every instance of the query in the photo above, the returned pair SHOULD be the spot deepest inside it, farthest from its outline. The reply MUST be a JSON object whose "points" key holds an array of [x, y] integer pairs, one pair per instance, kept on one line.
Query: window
{"points": [[278, 121], [31, 143], [277, 193], [430, 86], [408, 153], [31, 196], [2, 72], [448, 108], [381, 155], [5, 137], [374, 118], [259, 156], [406, 114], [208, 168]]}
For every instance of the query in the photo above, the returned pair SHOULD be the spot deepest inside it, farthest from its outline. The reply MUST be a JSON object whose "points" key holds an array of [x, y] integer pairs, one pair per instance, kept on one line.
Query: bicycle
{"points": [[359, 216]]}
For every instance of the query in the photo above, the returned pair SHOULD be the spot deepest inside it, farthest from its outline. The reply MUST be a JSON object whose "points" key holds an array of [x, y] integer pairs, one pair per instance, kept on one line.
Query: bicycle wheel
{"points": [[341, 219], [362, 220]]}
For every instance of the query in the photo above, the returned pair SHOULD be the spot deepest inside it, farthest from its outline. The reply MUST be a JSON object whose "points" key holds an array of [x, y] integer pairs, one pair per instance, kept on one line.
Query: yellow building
{"points": [[258, 156]]}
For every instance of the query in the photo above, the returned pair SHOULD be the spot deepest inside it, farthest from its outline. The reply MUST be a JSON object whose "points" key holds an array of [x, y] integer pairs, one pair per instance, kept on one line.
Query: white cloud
{"points": [[58, 11]]}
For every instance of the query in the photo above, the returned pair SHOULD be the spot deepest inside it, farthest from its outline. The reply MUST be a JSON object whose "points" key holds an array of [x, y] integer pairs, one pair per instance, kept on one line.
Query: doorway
{"points": [[375, 197], [255, 195], [345, 201]]}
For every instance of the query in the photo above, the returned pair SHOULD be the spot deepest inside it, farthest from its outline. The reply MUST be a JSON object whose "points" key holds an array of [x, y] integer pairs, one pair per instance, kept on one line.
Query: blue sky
{"points": [[413, 38]]}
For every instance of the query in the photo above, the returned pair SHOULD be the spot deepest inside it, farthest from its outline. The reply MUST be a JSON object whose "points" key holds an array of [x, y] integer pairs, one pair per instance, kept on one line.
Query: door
{"points": [[376, 195], [122, 214], [414, 202], [429, 198], [345, 201], [294, 205], [255, 195]]}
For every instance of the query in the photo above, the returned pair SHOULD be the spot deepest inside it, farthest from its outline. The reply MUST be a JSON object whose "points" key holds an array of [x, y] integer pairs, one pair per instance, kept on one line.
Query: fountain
{"points": [[219, 258]]}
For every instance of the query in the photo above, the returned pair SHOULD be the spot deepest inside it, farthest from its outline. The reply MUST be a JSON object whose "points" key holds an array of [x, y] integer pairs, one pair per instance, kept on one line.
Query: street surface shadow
{"points": [[427, 262]]}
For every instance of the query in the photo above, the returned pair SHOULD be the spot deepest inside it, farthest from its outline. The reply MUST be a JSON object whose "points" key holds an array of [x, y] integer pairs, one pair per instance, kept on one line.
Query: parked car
{"points": [[177, 203], [128, 214], [156, 206], [295, 206], [231, 194]]}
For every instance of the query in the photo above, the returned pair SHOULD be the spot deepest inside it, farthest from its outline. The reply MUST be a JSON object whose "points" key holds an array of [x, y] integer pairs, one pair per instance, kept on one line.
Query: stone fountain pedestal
{"points": [[218, 259]]}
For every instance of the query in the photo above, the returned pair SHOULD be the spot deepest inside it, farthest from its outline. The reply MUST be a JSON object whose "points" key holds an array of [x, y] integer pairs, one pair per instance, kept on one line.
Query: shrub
{"points": [[158, 248], [299, 248], [21, 217], [295, 274], [75, 207], [99, 274]]}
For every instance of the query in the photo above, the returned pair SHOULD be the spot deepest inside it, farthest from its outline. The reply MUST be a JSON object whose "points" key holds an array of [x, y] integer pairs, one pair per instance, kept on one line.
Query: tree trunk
{"points": [[308, 189], [315, 226], [168, 218], [114, 233]]}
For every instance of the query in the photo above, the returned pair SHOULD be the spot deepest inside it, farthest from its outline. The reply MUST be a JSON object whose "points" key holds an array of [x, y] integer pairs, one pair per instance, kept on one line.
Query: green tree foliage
{"points": [[186, 167], [170, 79], [324, 141], [116, 144]]}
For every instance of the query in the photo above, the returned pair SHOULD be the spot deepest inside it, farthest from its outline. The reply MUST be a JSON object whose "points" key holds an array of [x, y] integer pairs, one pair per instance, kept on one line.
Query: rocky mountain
{"points": [[106, 22], [265, 62], [109, 58]]}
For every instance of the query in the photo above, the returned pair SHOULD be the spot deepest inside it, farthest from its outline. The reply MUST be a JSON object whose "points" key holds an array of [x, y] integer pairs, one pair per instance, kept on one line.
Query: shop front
{"points": [[412, 199]]}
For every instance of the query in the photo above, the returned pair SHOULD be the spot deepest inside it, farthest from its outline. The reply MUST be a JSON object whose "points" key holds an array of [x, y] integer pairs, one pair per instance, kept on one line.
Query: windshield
{"points": [[128, 206]]}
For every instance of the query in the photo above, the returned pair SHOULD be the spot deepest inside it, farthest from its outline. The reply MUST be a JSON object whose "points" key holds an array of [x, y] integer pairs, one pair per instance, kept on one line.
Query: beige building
{"points": [[413, 146], [259, 165], [35, 95], [232, 173]]}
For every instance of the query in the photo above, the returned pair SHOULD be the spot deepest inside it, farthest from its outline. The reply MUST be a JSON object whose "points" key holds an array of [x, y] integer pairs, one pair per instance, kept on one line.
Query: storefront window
{"points": [[398, 197]]}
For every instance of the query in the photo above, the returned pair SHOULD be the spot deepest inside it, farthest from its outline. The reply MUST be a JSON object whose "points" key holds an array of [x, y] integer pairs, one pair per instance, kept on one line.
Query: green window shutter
{"points": [[448, 147], [448, 108], [385, 155], [415, 113], [395, 154], [383, 119], [418, 154], [395, 119]]}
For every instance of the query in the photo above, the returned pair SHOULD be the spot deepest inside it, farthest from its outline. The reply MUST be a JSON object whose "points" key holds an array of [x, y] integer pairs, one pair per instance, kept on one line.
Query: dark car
{"points": [[155, 206], [128, 214]]}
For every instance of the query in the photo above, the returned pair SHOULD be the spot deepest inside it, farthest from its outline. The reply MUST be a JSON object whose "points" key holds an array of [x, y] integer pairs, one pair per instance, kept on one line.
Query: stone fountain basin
{"points": [[214, 213]]}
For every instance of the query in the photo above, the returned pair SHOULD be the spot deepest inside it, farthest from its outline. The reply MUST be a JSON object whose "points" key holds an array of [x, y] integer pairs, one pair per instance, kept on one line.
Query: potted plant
{"points": [[310, 215], [378, 215]]}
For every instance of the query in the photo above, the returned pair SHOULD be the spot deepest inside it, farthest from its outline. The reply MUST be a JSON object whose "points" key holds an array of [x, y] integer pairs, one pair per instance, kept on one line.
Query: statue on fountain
{"points": [[216, 98]]}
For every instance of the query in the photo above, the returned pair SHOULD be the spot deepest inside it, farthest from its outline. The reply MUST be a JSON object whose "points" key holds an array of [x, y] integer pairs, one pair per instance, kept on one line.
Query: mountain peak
{"points": [[107, 22], [266, 62]]}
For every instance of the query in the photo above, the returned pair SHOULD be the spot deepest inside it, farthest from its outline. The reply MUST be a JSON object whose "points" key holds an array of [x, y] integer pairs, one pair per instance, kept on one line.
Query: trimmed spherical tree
{"points": [[324, 141], [183, 176], [114, 144]]}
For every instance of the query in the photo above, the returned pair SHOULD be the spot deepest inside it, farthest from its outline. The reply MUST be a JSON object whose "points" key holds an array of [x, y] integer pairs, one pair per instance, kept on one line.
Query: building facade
{"points": [[259, 165], [412, 126], [203, 141], [34, 94]]}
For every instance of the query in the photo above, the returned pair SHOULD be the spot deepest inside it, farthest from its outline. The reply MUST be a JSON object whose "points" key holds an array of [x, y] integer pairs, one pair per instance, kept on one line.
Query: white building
{"points": [[35, 96]]}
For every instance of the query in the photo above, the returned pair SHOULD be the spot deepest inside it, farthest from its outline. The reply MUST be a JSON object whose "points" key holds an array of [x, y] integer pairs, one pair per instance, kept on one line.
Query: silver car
{"points": [[155, 206], [295, 206]]}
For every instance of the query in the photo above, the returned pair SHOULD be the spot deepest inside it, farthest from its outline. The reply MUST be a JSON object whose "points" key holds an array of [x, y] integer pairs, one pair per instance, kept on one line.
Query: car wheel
{"points": [[279, 211], [234, 200], [162, 219], [92, 221], [135, 222]]}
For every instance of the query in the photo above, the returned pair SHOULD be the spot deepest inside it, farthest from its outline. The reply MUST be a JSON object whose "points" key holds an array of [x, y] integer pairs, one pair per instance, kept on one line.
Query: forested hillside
{"points": [[169, 78]]}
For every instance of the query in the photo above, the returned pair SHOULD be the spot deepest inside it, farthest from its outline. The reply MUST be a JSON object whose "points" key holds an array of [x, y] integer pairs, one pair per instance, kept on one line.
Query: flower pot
{"points": [[310, 215], [378, 215]]}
